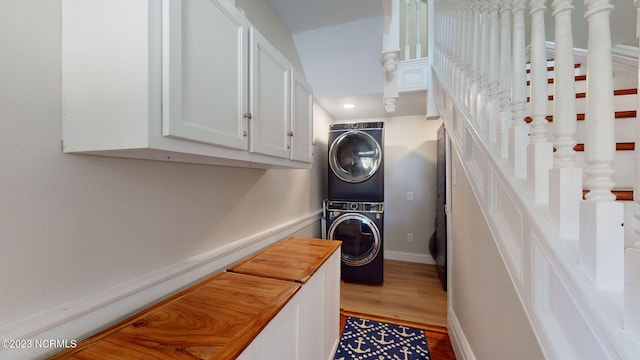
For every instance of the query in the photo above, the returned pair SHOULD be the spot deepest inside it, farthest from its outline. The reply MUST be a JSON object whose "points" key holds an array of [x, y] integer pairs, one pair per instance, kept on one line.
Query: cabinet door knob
{"points": [[244, 133], [290, 133], [247, 115]]}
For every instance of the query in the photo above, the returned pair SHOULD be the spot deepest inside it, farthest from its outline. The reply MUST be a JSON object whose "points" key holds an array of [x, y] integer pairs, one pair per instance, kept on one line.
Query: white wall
{"points": [[410, 166], [486, 318], [343, 66], [73, 225]]}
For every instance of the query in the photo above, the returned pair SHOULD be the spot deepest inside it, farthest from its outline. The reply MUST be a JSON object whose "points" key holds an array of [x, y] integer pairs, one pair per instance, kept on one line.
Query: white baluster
{"points": [[450, 42], [565, 179], [390, 52], [601, 218], [484, 67], [632, 255], [504, 117], [475, 76], [519, 130], [464, 56], [418, 35], [540, 150], [493, 90], [459, 36], [437, 42], [438, 36], [407, 46], [468, 46], [432, 109]]}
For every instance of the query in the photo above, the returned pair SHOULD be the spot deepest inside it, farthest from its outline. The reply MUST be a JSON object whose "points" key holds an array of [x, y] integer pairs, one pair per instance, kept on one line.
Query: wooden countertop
{"points": [[214, 319], [293, 259]]}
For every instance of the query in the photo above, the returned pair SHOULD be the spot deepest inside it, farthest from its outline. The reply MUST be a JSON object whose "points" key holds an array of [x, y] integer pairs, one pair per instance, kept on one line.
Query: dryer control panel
{"points": [[355, 206]]}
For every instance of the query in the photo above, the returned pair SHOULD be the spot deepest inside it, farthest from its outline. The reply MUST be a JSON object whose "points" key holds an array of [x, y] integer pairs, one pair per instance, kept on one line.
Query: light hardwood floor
{"points": [[411, 292]]}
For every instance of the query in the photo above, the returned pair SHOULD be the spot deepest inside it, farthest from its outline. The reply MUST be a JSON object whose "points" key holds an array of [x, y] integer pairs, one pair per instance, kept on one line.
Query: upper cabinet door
{"points": [[301, 119], [269, 100], [205, 68]]}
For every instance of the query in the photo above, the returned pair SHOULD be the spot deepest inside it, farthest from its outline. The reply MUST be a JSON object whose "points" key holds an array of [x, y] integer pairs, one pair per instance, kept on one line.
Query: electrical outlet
{"points": [[409, 237]]}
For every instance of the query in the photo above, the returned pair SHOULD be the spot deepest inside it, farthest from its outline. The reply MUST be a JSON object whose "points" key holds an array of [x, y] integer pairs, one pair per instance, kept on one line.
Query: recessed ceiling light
{"points": [[349, 106]]}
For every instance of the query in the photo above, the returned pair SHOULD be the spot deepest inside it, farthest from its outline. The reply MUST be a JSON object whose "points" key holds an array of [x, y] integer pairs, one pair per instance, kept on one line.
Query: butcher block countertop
{"points": [[217, 318], [293, 259]]}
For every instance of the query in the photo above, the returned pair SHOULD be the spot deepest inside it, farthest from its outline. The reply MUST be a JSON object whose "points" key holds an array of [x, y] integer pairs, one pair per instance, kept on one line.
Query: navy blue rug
{"points": [[368, 339]]}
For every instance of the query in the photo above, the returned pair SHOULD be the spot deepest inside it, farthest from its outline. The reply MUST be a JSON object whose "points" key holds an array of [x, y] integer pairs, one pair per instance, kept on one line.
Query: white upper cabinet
{"points": [[301, 132], [189, 81], [205, 67], [270, 99]]}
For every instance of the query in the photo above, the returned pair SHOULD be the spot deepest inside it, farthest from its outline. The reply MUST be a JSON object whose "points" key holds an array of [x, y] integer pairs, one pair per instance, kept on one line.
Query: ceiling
{"points": [[340, 43]]}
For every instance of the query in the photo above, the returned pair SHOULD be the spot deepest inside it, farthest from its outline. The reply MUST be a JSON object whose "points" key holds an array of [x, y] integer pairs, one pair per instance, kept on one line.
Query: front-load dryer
{"points": [[359, 226], [356, 166]]}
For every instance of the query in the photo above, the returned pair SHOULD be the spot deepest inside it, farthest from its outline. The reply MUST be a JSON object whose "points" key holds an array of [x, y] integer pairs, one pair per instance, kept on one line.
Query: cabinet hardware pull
{"points": [[290, 133], [247, 115], [244, 133]]}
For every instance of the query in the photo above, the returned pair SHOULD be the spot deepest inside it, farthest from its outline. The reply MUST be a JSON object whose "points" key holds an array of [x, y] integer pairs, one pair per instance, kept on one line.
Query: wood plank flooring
{"points": [[411, 292]]}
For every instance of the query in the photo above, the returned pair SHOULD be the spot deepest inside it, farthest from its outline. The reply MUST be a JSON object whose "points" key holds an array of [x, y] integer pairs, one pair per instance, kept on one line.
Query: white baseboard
{"points": [[459, 341], [86, 316], [409, 257]]}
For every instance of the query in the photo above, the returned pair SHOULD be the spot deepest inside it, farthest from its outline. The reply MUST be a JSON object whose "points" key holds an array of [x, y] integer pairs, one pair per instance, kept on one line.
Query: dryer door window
{"points": [[360, 238], [355, 156]]}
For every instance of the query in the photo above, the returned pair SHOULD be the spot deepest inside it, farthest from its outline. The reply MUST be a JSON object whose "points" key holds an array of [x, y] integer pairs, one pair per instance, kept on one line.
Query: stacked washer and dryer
{"points": [[354, 212]]}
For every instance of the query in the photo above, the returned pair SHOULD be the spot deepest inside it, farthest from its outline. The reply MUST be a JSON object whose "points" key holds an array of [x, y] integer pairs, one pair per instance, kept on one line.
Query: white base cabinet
{"points": [[179, 80], [307, 328]]}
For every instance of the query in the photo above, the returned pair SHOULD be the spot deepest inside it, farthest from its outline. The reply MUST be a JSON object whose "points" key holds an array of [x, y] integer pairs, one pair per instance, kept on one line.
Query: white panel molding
{"points": [[83, 317], [594, 316], [409, 257], [459, 342]]}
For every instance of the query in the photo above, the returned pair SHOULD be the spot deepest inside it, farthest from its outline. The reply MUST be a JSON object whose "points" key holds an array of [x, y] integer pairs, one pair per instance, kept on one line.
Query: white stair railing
{"points": [[413, 21], [586, 240], [404, 49]]}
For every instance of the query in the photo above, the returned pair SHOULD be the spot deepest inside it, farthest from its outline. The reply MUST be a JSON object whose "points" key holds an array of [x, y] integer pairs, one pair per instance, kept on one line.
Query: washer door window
{"points": [[355, 156], [360, 238]]}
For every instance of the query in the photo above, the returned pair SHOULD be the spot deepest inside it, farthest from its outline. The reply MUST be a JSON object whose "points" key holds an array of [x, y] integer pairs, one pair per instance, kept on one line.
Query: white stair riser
{"points": [[620, 103], [551, 73], [623, 166], [625, 130]]}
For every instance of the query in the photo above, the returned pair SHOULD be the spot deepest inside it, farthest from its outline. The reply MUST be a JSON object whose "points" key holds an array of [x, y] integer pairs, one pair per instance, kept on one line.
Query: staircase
{"points": [[625, 102], [549, 148]]}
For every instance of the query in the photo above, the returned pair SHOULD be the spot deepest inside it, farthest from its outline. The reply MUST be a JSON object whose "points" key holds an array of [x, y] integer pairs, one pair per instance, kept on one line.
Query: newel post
{"points": [[601, 217]]}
